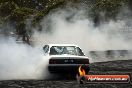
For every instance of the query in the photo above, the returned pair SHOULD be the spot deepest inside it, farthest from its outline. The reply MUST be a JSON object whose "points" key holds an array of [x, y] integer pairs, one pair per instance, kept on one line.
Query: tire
{"points": [[82, 80]]}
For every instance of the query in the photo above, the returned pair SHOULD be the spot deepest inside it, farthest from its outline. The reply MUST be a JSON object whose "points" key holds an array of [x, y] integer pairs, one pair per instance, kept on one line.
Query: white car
{"points": [[65, 58]]}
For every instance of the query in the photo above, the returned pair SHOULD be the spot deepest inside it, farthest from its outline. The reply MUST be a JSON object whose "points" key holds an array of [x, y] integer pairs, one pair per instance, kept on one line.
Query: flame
{"points": [[81, 71]]}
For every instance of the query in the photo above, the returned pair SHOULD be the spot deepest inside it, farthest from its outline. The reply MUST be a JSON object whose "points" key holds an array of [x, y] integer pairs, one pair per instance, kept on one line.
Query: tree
{"points": [[6, 8], [105, 10]]}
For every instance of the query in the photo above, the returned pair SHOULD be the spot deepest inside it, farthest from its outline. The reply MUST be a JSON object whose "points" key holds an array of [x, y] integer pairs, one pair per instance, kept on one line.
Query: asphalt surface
{"points": [[111, 67]]}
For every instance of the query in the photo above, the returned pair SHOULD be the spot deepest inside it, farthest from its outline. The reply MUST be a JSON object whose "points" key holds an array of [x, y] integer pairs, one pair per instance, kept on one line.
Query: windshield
{"points": [[70, 50]]}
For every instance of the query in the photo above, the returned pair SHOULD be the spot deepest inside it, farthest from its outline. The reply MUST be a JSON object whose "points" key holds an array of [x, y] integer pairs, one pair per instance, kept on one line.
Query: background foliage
{"points": [[16, 12]]}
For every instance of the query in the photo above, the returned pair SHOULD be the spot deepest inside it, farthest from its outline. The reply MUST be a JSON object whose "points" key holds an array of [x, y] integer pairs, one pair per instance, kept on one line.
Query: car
{"points": [[65, 58]]}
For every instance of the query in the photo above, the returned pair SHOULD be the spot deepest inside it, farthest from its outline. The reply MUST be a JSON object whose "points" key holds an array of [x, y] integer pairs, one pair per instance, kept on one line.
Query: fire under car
{"points": [[65, 58]]}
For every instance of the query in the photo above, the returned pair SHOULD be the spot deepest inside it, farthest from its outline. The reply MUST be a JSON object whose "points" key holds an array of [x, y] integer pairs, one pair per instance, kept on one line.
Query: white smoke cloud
{"points": [[73, 26], [21, 61]]}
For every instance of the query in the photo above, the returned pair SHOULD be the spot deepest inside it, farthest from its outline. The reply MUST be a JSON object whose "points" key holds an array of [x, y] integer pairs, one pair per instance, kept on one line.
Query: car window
{"points": [[60, 50], [46, 48], [79, 51]]}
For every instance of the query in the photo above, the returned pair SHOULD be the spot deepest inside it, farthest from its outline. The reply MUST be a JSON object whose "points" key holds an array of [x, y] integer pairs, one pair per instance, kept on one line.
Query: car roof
{"points": [[61, 45]]}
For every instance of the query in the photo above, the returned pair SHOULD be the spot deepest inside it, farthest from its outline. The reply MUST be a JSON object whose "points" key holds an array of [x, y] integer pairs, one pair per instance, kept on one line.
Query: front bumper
{"points": [[67, 68]]}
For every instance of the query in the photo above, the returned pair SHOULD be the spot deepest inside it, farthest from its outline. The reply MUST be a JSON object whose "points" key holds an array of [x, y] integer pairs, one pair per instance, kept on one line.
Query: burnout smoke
{"points": [[21, 61], [73, 26]]}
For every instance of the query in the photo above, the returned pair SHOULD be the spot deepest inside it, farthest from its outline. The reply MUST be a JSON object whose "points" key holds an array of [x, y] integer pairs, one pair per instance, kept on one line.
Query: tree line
{"points": [[16, 12]]}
